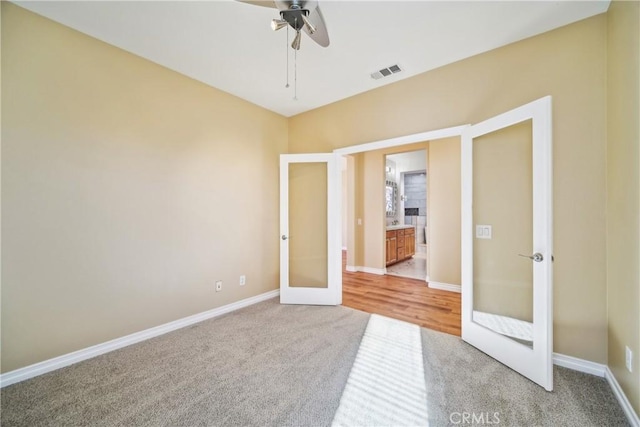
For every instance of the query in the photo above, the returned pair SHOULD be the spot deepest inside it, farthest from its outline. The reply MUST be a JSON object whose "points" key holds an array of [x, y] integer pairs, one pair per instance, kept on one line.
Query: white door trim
{"points": [[402, 140]]}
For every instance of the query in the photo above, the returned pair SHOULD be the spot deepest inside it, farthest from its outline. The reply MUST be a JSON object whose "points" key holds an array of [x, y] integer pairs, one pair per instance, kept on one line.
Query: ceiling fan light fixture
{"points": [[277, 24], [308, 25], [296, 41]]}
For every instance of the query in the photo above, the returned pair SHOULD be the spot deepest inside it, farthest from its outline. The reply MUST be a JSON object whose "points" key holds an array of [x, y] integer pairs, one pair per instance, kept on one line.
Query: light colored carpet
{"points": [[386, 385], [274, 365], [462, 379], [267, 364]]}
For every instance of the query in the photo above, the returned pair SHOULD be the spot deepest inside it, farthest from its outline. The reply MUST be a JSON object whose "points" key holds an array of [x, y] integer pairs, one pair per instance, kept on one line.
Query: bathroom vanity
{"points": [[401, 243]]}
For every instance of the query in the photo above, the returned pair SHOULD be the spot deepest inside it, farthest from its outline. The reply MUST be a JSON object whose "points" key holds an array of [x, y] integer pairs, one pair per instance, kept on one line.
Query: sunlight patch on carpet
{"points": [[386, 385]]}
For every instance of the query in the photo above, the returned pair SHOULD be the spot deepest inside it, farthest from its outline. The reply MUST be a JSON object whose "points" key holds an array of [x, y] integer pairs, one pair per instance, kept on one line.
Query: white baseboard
{"points": [[581, 365], [599, 370], [356, 268], [622, 398], [371, 270], [444, 286], [43, 367]]}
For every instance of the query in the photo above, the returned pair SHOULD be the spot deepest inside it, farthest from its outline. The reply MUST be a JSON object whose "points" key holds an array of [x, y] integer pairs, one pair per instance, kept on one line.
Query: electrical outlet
{"points": [[243, 280], [218, 285], [628, 358]]}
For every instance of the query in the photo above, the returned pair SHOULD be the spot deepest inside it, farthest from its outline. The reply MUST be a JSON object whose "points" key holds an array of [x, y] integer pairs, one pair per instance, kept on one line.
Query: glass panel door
{"points": [[310, 256], [503, 221], [507, 272]]}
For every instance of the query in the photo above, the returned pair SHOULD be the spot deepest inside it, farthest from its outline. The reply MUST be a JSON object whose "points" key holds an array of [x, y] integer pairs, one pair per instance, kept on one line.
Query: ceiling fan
{"points": [[300, 15]]}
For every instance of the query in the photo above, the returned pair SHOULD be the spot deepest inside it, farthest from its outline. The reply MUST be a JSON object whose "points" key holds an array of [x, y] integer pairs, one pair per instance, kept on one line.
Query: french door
{"points": [[507, 270], [507, 254], [310, 250]]}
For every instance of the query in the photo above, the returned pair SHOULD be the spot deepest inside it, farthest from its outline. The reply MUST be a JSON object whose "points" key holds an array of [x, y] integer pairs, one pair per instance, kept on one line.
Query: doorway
{"points": [[406, 213], [385, 288]]}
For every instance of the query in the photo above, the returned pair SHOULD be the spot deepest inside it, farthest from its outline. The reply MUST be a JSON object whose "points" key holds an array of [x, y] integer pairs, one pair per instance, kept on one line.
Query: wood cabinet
{"points": [[401, 244], [409, 242], [392, 247]]}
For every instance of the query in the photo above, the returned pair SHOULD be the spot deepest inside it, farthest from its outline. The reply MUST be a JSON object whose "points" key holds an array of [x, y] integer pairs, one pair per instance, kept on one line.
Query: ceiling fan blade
{"points": [[320, 36], [264, 3]]}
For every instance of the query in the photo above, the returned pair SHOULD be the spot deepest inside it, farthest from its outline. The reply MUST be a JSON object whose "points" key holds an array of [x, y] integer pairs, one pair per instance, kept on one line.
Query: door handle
{"points": [[284, 237], [537, 257]]}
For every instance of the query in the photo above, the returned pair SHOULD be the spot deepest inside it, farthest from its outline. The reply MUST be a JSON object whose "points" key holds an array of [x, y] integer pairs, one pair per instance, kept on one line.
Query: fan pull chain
{"points": [[295, 75], [286, 50]]}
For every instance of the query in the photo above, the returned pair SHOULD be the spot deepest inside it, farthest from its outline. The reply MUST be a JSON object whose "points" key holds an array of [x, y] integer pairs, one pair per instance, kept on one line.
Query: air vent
{"points": [[385, 72]]}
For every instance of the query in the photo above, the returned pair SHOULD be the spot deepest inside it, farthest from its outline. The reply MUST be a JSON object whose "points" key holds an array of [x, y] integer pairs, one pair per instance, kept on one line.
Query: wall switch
{"points": [[243, 280], [359, 221], [483, 232], [628, 358], [218, 285]]}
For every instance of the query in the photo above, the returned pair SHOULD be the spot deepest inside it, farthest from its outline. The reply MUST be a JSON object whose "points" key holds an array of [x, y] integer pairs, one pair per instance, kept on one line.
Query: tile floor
{"points": [[414, 268]]}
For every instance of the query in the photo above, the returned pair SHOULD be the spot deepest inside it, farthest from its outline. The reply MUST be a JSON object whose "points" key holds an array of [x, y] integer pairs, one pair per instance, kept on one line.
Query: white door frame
{"points": [[402, 140]]}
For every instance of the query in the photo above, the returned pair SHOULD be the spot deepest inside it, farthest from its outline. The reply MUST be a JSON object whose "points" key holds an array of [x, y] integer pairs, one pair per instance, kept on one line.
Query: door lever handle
{"points": [[284, 237], [537, 257]]}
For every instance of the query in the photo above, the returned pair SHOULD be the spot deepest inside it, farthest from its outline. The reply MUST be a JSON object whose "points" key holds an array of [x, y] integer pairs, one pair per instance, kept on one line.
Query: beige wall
{"points": [[127, 190], [349, 207], [369, 203], [623, 193], [358, 219], [503, 199], [344, 195], [568, 63], [443, 210], [374, 219], [308, 226]]}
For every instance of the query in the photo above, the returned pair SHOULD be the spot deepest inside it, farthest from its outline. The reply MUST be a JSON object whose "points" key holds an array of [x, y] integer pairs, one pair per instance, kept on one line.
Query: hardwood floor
{"points": [[403, 299]]}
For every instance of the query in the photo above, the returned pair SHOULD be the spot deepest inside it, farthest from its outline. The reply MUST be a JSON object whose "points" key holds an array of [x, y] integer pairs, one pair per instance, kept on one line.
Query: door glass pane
{"points": [[308, 225], [503, 228]]}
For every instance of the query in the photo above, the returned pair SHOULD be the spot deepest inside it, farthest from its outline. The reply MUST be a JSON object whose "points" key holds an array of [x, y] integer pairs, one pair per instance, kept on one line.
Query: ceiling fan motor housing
{"points": [[294, 17]]}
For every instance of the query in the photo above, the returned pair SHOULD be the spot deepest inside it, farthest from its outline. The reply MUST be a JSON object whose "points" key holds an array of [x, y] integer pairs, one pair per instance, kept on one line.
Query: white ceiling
{"points": [[230, 45]]}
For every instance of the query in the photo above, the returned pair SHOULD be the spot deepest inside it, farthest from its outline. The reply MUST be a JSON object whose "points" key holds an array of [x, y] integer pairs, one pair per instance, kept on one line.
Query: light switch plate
{"points": [[483, 232]]}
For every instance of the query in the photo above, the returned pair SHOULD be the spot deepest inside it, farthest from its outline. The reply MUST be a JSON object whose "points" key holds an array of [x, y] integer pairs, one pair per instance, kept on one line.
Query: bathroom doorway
{"points": [[366, 283], [370, 242], [406, 214]]}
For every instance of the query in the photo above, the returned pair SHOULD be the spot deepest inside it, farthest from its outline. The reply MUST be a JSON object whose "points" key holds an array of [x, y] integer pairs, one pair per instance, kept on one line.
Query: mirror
{"points": [[390, 198]]}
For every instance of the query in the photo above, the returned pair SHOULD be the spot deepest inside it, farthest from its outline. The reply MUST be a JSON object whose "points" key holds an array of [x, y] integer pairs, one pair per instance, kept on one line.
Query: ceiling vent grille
{"points": [[385, 72]]}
